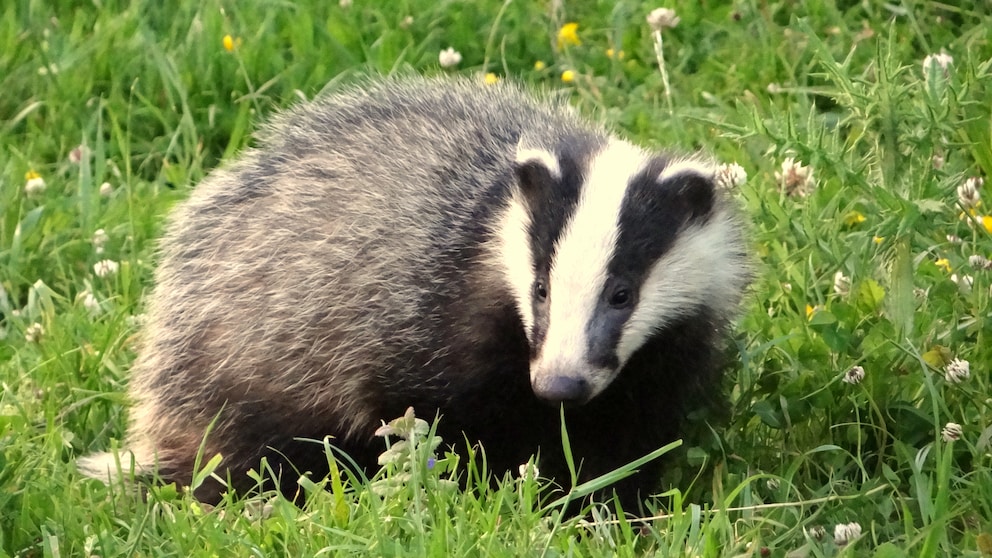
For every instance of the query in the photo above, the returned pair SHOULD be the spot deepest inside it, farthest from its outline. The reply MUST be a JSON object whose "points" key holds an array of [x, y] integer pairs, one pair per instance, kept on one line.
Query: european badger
{"points": [[459, 248]]}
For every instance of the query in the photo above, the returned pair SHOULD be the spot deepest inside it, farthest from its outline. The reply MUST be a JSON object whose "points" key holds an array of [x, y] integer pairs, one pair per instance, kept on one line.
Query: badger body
{"points": [[463, 249]]}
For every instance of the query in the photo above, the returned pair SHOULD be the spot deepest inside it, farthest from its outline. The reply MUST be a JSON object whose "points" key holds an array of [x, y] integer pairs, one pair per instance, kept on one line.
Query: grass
{"points": [[157, 101]]}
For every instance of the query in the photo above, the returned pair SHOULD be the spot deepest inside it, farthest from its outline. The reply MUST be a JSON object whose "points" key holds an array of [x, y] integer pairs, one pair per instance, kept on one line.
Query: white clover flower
{"points": [[105, 268], [106, 190], [954, 239], [90, 302], [407, 22], [846, 532], [730, 175], [957, 371], [816, 532], [33, 183], [968, 192], [528, 470], [952, 431], [979, 262], [34, 332], [345, 4], [795, 179], [449, 57], [964, 282], [842, 283], [933, 62], [854, 375], [100, 238], [79, 153], [661, 18]]}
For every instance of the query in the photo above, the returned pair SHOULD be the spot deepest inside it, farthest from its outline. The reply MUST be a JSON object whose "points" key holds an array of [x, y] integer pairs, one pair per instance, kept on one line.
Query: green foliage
{"points": [[121, 107]]}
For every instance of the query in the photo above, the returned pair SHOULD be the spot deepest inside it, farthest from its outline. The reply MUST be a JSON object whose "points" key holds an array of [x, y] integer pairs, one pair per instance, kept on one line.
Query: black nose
{"points": [[562, 389]]}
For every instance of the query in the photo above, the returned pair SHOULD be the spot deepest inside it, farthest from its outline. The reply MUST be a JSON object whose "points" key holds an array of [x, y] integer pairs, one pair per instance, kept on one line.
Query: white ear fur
{"points": [[687, 166], [541, 157]]}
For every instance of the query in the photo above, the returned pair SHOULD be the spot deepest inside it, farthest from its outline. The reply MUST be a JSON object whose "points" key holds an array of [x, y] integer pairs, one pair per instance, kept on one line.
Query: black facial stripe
{"points": [[653, 214]]}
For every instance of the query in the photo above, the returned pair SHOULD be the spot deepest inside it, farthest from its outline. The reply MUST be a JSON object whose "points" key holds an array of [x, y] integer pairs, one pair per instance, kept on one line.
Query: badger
{"points": [[477, 252]]}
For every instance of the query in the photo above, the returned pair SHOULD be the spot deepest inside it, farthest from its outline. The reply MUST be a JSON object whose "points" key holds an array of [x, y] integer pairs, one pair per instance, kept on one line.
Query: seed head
{"points": [[34, 332]]}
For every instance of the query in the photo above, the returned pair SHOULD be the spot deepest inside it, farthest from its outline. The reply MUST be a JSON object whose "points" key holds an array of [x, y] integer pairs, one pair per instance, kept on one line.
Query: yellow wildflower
{"points": [[33, 183], [568, 76], [944, 264], [610, 53], [854, 218], [878, 239], [540, 65], [568, 35], [810, 310], [230, 43], [987, 223], [491, 78]]}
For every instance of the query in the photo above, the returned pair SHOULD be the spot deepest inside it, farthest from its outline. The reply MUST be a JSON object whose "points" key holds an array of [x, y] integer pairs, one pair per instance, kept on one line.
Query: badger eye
{"points": [[621, 298], [540, 291]]}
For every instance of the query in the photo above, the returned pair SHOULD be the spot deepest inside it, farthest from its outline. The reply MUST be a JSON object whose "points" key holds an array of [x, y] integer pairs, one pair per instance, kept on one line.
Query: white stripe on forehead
{"points": [[583, 252]]}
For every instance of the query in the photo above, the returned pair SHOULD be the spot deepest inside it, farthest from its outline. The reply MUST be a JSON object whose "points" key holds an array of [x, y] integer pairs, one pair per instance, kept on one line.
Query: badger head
{"points": [[604, 246]]}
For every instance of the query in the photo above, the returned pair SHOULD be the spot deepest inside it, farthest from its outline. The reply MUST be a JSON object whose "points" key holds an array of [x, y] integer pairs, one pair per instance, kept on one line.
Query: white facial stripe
{"points": [[515, 253], [579, 267], [701, 268], [545, 158]]}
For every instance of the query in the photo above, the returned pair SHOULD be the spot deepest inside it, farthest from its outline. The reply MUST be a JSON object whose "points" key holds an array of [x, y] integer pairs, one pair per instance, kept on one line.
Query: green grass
{"points": [[150, 91]]}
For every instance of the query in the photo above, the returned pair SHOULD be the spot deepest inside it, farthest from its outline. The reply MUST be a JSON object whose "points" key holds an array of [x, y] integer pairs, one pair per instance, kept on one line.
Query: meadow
{"points": [[860, 414]]}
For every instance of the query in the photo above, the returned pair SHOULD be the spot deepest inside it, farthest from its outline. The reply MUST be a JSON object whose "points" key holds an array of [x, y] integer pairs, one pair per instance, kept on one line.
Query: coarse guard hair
{"points": [[461, 248]]}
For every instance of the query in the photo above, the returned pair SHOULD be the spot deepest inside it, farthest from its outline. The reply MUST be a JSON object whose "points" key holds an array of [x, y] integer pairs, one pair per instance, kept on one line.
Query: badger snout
{"points": [[558, 389]]}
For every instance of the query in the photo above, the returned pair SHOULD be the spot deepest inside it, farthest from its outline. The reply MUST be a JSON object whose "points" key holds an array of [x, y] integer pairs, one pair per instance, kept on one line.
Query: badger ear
{"points": [[537, 170], [692, 183]]}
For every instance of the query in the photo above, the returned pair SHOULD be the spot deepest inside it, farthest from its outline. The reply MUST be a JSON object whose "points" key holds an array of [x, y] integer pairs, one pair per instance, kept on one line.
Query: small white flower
{"points": [[100, 238], [528, 471], [407, 22], [954, 239], [449, 57], [978, 261], [816, 532], [854, 375], [952, 431], [933, 62], [34, 184], [345, 4], [77, 155], [846, 532], [842, 283], [90, 302], [968, 192], [106, 189], [964, 282], [661, 18], [795, 179], [957, 371], [730, 175], [34, 332], [105, 268]]}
